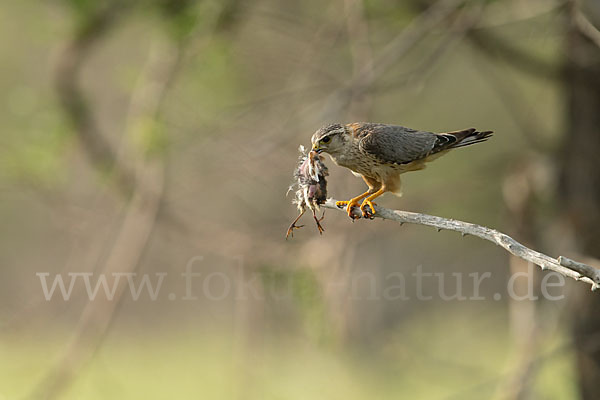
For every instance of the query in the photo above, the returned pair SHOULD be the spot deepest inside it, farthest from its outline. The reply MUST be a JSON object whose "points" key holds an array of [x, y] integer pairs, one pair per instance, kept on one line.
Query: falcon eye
{"points": [[326, 139]]}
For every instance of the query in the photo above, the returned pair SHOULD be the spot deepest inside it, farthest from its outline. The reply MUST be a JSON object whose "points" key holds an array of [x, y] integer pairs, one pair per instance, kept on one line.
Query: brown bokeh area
{"points": [[152, 144]]}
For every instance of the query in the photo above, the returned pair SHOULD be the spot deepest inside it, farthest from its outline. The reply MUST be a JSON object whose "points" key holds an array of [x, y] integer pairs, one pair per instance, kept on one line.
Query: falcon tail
{"points": [[453, 140]]}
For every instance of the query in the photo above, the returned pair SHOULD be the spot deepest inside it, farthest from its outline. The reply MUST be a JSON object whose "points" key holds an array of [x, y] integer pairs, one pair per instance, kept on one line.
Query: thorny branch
{"points": [[562, 265]]}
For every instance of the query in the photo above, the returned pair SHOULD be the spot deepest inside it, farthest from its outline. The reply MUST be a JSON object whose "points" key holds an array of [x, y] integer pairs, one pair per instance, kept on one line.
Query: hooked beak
{"points": [[316, 148]]}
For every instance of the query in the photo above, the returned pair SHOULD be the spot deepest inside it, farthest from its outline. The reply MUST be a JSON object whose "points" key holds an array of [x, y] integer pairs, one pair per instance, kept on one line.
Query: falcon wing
{"points": [[397, 144]]}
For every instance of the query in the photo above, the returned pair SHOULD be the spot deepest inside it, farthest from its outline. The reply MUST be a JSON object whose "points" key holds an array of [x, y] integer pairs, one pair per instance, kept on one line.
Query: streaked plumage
{"points": [[380, 153], [310, 187]]}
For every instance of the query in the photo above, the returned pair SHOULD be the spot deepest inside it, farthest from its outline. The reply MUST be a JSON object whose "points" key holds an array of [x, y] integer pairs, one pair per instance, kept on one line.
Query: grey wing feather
{"points": [[397, 144]]}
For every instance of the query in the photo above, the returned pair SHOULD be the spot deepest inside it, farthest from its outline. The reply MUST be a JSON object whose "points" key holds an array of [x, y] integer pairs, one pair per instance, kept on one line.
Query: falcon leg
{"points": [[369, 202], [352, 203], [318, 221], [293, 226]]}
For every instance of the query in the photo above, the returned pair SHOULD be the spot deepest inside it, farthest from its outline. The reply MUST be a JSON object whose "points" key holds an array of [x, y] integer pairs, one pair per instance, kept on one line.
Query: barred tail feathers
{"points": [[466, 137]]}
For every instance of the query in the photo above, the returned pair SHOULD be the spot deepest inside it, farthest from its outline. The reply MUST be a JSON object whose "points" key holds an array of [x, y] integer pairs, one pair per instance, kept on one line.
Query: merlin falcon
{"points": [[380, 153]]}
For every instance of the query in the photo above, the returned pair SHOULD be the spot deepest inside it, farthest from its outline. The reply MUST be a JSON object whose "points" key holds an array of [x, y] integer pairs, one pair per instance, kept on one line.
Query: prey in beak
{"points": [[310, 187]]}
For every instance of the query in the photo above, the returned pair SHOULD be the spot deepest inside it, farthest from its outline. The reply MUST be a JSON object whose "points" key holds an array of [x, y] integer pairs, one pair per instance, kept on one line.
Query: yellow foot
{"points": [[370, 211], [349, 205]]}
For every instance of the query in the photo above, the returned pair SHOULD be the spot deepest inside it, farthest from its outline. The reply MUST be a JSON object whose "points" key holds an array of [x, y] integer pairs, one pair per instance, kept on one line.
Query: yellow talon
{"points": [[341, 204], [354, 202], [349, 205], [367, 213]]}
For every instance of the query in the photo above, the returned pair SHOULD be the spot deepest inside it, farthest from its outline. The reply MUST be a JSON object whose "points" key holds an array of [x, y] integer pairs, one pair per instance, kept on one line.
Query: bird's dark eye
{"points": [[326, 139]]}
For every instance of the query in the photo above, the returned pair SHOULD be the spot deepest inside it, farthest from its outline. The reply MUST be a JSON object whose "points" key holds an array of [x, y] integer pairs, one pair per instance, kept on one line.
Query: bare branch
{"points": [[499, 48], [75, 103], [420, 27], [515, 102], [586, 27], [357, 28], [458, 28], [562, 265], [138, 224]]}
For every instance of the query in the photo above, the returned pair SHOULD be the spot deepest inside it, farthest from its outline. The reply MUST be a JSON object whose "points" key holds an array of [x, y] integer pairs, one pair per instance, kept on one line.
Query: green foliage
{"points": [[183, 17], [37, 153], [85, 10], [83, 7], [388, 11], [180, 16], [467, 360], [304, 290], [227, 89], [211, 81], [150, 137]]}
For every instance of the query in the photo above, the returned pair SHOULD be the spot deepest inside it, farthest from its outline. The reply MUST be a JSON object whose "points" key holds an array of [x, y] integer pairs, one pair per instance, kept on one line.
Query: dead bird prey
{"points": [[310, 186]]}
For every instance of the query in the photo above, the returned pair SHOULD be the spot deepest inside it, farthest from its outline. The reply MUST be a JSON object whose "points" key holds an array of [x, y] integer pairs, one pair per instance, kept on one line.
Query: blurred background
{"points": [[158, 138]]}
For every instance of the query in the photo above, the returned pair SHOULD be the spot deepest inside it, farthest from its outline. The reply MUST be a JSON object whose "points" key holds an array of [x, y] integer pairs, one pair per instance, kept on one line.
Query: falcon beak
{"points": [[316, 148]]}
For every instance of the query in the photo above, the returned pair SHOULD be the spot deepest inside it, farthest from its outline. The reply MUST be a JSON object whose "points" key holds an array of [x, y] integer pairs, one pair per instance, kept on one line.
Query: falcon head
{"points": [[331, 139]]}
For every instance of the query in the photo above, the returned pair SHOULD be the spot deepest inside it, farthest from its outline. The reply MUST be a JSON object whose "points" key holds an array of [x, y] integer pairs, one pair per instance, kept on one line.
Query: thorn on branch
{"points": [[564, 266]]}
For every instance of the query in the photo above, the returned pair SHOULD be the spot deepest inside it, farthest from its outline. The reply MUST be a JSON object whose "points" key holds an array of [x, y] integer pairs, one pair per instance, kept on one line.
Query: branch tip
{"points": [[562, 265]]}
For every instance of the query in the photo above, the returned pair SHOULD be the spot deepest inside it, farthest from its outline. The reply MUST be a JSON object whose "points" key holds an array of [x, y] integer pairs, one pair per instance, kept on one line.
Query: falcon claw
{"points": [[368, 209], [341, 204], [350, 204]]}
